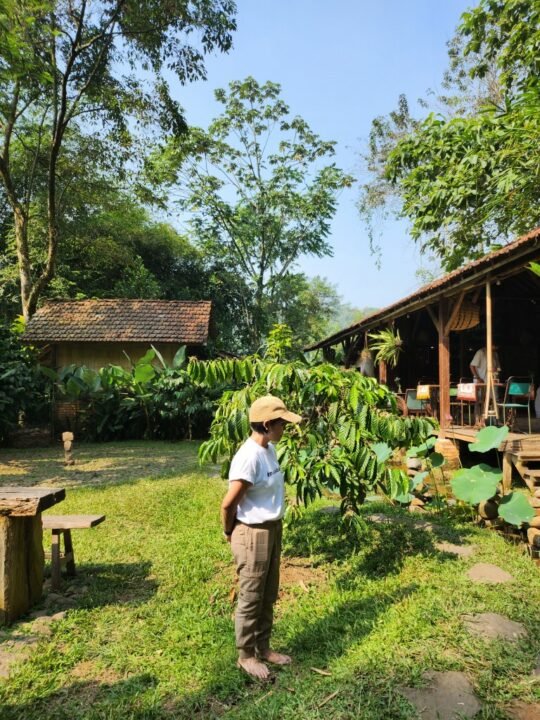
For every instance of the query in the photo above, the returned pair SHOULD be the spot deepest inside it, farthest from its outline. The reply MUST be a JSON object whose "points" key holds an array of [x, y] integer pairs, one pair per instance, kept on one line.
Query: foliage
{"points": [[149, 400], [465, 176], [66, 66], [258, 192], [23, 390], [482, 482], [349, 431], [388, 346]]}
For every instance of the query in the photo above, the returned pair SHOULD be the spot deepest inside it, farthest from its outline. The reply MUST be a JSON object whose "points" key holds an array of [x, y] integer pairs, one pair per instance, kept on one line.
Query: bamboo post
{"points": [[383, 372], [444, 364], [490, 400]]}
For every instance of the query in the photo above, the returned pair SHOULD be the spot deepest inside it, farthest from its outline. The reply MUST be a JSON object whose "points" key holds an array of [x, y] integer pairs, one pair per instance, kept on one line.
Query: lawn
{"points": [[148, 630]]}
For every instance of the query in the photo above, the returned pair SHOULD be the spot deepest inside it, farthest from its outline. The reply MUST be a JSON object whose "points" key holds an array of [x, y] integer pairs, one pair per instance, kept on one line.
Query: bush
{"points": [[24, 390]]}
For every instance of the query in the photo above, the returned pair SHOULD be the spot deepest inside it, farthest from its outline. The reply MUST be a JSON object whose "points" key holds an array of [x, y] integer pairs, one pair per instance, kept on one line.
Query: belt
{"points": [[267, 525]]}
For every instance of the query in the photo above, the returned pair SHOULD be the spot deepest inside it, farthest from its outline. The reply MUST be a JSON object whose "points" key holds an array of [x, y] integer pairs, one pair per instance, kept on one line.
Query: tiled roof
{"points": [[179, 321], [476, 270]]}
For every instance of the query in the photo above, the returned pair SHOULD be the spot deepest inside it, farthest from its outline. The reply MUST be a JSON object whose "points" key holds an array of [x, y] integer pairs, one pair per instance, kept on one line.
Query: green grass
{"points": [[150, 633]]}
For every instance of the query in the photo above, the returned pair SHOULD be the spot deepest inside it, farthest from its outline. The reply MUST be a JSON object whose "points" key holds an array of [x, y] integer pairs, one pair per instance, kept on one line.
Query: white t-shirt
{"points": [[479, 361], [265, 497]]}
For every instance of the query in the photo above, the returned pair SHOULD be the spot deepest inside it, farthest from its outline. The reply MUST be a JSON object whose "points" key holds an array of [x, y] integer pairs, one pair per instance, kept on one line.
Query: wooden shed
{"points": [[98, 332]]}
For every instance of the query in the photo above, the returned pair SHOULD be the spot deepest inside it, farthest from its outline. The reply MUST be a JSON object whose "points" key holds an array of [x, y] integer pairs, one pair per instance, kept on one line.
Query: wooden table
{"points": [[21, 547]]}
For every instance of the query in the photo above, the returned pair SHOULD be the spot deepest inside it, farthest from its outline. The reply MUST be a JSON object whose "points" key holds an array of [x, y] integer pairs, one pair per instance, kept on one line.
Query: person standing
{"points": [[251, 513], [479, 364]]}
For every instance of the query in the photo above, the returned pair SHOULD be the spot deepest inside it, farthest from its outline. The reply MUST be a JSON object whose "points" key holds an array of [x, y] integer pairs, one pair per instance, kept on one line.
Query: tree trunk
{"points": [[25, 272]]}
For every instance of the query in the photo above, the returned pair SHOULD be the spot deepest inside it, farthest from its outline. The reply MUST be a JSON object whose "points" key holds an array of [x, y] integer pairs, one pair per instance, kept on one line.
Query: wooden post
{"points": [[383, 372], [21, 565], [490, 400], [444, 365], [507, 473]]}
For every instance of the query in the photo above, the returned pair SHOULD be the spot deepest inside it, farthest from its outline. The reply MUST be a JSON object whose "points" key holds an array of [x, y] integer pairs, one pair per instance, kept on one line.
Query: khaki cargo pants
{"points": [[257, 551]]}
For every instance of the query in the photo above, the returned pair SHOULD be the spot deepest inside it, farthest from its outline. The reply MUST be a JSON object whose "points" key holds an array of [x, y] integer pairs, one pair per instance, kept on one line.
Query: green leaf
{"points": [[516, 509], [489, 438], [419, 478], [143, 373], [475, 484], [436, 460], [180, 357], [382, 451]]}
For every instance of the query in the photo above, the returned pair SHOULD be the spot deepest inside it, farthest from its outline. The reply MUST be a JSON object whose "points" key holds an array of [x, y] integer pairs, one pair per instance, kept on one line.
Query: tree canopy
{"points": [[467, 177], [260, 192], [77, 64]]}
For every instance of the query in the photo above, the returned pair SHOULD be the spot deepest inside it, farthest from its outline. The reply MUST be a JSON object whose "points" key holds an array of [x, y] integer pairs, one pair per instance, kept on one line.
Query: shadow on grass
{"points": [[86, 700], [370, 549], [106, 584]]}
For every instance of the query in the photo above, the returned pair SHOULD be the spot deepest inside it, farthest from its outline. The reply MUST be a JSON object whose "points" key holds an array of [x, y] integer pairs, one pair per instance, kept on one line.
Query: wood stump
{"points": [[21, 565]]}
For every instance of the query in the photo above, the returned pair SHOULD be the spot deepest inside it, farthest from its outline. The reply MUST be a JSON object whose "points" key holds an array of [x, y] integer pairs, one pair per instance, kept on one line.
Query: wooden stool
{"points": [[64, 524]]}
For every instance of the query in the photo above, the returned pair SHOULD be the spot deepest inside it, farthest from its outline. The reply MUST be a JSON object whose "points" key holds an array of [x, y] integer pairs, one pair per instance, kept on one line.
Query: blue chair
{"points": [[414, 406], [517, 394]]}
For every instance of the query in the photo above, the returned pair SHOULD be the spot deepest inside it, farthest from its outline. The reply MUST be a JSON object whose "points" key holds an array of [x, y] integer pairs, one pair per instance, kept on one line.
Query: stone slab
{"points": [[460, 550], [489, 574], [492, 626], [449, 696], [519, 710]]}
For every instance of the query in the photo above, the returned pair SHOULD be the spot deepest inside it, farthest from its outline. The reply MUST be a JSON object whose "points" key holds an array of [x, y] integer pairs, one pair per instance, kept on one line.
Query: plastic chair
{"points": [[466, 396], [517, 388], [414, 406]]}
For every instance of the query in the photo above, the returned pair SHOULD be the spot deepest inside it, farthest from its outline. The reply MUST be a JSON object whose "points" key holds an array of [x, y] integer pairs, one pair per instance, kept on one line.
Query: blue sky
{"points": [[340, 65]]}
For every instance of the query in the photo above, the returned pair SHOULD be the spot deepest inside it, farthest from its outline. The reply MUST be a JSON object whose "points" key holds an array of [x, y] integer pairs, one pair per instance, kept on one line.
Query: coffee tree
{"points": [[348, 436]]}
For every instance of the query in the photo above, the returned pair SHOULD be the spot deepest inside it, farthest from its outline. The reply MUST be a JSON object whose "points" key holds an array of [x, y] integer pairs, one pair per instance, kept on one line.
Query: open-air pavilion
{"points": [[493, 299]]}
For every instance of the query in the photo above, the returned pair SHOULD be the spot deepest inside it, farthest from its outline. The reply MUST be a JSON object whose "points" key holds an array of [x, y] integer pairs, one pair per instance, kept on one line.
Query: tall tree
{"points": [[466, 176], [74, 62], [259, 191]]}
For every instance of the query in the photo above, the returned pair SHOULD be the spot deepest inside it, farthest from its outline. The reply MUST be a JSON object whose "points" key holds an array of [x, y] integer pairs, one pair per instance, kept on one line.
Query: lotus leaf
{"points": [[489, 438], [516, 509], [476, 484], [436, 460]]}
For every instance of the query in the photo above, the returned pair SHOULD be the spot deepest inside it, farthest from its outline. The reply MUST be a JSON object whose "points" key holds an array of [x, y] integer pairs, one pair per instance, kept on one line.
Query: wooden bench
{"points": [[63, 525]]}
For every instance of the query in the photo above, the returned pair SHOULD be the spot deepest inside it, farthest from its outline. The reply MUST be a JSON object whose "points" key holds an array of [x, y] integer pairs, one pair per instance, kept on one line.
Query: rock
{"points": [[449, 696], [489, 574], [414, 463], [461, 550], [416, 509], [533, 536], [449, 450], [535, 522], [488, 510], [59, 615], [535, 502], [491, 626], [518, 710], [417, 502], [378, 518], [330, 510]]}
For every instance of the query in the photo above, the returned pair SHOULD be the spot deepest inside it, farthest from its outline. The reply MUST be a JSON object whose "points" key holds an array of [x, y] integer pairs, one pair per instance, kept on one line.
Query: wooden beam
{"points": [[454, 313], [433, 317], [444, 365]]}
